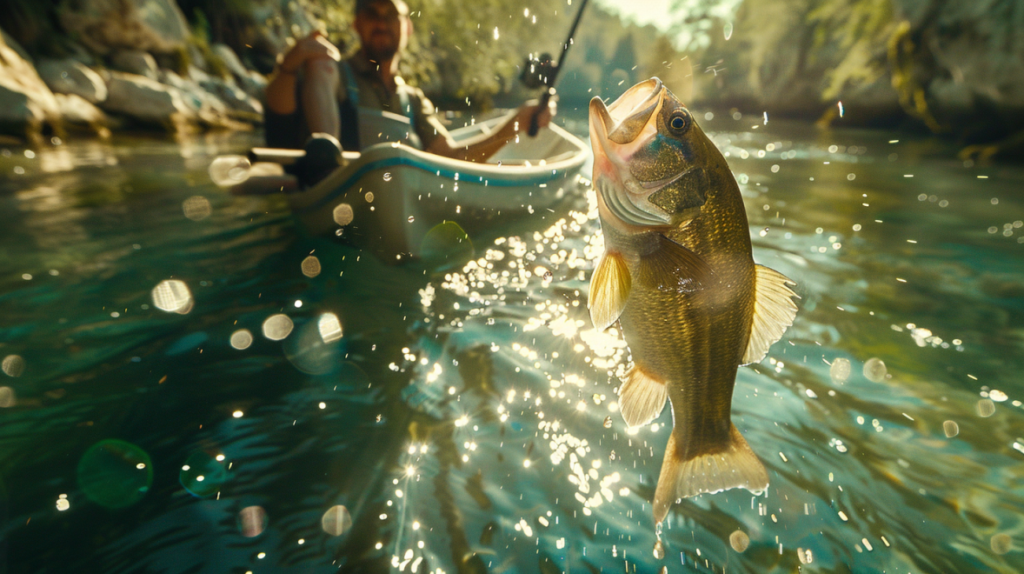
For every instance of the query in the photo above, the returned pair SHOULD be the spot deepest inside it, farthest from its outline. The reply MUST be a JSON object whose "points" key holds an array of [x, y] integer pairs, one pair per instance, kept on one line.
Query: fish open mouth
{"points": [[611, 149]]}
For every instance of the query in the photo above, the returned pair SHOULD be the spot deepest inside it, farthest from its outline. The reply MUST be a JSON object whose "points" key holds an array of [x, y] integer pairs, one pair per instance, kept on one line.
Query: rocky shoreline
{"points": [[950, 68], [132, 64]]}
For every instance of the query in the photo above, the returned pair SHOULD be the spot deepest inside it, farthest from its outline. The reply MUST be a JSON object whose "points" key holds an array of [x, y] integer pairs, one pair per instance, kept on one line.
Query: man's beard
{"points": [[380, 54]]}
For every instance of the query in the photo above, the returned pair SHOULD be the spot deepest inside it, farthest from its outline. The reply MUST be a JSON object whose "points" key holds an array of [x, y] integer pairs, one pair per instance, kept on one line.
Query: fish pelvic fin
{"points": [[734, 467], [641, 397], [609, 289], [672, 267], [774, 311]]}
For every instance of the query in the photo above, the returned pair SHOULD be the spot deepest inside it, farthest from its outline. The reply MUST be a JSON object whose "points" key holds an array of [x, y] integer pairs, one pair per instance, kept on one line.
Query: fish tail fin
{"points": [[733, 467]]}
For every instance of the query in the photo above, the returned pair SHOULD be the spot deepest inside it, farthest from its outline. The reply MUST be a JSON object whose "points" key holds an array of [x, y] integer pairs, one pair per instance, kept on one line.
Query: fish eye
{"points": [[679, 121]]}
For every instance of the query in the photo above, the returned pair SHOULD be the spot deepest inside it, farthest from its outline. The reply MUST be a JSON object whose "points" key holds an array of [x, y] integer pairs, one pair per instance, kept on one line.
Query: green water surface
{"points": [[460, 418]]}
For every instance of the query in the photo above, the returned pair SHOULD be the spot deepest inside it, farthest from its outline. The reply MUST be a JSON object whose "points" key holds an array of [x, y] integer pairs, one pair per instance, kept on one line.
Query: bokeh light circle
{"points": [[203, 474], [172, 296], [252, 521], [311, 266], [241, 339], [114, 473], [277, 327], [336, 521], [196, 208], [13, 365]]}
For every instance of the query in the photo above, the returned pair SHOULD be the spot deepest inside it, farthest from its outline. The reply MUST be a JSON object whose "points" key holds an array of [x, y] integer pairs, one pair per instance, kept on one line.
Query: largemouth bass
{"points": [[678, 276]]}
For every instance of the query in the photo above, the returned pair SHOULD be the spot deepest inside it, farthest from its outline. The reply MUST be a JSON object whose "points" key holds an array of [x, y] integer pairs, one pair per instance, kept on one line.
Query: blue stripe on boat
{"points": [[418, 164]]}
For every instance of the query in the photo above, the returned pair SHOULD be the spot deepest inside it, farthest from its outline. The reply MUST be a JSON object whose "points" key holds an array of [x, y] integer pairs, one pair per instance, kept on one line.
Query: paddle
{"points": [[551, 76]]}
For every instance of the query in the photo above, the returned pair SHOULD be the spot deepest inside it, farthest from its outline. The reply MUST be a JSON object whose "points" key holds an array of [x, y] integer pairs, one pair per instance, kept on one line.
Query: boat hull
{"points": [[396, 193]]}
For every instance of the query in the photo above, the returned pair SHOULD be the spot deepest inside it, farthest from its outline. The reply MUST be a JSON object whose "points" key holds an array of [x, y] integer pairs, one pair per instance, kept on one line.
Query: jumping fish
{"points": [[678, 276]]}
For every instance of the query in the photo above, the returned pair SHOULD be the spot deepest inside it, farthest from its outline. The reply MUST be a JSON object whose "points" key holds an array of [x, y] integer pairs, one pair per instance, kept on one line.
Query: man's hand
{"points": [[528, 109], [312, 47]]}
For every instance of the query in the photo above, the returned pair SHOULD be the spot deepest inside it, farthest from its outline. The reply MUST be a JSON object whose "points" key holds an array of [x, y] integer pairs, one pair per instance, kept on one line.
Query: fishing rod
{"points": [[551, 76]]}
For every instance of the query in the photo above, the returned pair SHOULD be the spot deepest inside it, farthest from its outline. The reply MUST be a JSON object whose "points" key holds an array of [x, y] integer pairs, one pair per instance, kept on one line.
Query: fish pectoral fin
{"points": [[774, 311], [735, 467], [672, 267], [641, 397], [609, 289]]}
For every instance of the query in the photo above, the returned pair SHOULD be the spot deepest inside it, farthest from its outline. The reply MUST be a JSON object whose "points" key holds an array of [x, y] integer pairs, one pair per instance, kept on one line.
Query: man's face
{"points": [[383, 28]]}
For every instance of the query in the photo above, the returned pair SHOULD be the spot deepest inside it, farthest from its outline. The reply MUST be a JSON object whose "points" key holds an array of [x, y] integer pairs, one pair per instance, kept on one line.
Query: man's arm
{"points": [[483, 146], [281, 89]]}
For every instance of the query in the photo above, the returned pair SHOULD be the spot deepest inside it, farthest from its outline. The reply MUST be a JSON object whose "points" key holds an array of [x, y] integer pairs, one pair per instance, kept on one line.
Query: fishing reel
{"points": [[538, 71]]}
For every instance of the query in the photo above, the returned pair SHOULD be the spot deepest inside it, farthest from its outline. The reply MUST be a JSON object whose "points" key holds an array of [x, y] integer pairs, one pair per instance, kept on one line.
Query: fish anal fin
{"points": [[672, 267], [641, 397], [774, 311], [609, 290], [734, 467]]}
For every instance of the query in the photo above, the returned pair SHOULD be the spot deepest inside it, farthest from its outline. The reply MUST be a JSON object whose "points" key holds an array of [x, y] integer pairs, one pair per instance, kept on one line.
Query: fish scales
{"points": [[679, 278]]}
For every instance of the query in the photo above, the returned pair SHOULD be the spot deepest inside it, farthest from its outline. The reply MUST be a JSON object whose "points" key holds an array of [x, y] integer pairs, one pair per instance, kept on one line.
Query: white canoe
{"points": [[395, 194]]}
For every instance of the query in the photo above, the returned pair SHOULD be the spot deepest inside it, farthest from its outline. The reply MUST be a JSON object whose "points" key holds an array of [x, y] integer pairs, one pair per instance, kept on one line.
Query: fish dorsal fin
{"points": [[672, 267], [774, 310], [609, 289], [641, 397]]}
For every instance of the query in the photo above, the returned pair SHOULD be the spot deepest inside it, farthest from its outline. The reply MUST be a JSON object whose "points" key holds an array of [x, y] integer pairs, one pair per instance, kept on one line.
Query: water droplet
{"points": [[412, 218], [172, 296], [840, 370], [874, 370], [985, 408], [369, 197], [739, 541], [13, 365], [659, 550], [727, 30], [336, 521], [950, 428], [196, 208], [343, 214], [228, 170], [607, 422], [387, 176], [277, 327], [806, 557], [252, 521], [241, 339], [311, 266], [1001, 543]]}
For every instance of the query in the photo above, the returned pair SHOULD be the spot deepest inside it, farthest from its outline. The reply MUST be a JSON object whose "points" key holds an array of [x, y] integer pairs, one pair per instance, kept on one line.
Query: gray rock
{"points": [[77, 112], [135, 62], [194, 95], [72, 77], [231, 61], [233, 96], [14, 45], [105, 25], [147, 101], [26, 104]]}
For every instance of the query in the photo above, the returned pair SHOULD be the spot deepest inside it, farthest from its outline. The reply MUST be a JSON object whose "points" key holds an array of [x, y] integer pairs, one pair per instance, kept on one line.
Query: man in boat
{"points": [[362, 101]]}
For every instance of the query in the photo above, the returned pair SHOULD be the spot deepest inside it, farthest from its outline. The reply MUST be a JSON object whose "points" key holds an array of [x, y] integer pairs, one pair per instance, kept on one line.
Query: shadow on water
{"points": [[466, 417]]}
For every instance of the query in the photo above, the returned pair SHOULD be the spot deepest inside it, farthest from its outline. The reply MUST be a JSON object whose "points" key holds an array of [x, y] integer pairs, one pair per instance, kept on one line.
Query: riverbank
{"points": [[92, 66]]}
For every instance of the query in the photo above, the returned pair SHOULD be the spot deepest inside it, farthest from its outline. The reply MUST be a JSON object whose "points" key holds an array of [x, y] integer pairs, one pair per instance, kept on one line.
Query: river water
{"points": [[464, 420]]}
